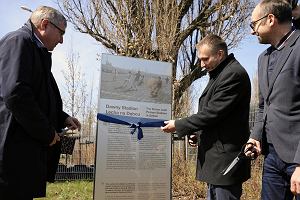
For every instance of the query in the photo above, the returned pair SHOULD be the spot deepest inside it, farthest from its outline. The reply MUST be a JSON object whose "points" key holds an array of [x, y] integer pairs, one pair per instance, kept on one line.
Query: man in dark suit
{"points": [[276, 132], [221, 122], [31, 112]]}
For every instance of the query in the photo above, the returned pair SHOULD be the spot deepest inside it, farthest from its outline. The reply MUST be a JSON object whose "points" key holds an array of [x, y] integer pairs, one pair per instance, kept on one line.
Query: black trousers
{"points": [[220, 192], [8, 192]]}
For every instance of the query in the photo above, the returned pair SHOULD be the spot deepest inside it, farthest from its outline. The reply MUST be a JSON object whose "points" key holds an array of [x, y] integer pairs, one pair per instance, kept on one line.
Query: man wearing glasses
{"points": [[31, 114], [276, 132]]}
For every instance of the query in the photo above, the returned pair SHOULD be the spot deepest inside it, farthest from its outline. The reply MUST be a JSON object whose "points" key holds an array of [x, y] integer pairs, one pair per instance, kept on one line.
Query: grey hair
{"points": [[45, 12]]}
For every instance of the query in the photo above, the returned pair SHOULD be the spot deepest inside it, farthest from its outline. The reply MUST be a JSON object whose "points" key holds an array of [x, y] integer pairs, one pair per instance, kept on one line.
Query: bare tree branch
{"points": [[164, 30]]}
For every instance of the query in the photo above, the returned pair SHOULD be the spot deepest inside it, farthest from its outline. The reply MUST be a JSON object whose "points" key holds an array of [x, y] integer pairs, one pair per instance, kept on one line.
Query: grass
{"points": [[69, 190], [252, 187], [184, 185]]}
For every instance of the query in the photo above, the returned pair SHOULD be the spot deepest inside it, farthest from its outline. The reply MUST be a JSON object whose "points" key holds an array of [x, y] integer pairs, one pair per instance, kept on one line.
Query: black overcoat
{"points": [[222, 123], [30, 112]]}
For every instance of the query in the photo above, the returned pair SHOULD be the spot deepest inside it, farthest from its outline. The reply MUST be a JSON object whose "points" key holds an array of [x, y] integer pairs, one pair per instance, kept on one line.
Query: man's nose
{"points": [[61, 39], [202, 64], [253, 32]]}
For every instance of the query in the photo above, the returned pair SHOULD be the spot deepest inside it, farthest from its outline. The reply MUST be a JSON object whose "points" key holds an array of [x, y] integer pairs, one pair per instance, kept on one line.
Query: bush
{"points": [[184, 184]]}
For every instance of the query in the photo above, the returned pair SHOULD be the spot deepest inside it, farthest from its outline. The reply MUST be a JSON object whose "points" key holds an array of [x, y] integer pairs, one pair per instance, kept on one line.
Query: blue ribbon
{"points": [[134, 122]]}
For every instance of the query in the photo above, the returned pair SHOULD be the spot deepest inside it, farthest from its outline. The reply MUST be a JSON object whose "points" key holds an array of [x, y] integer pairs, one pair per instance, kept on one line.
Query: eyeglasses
{"points": [[252, 24], [62, 32]]}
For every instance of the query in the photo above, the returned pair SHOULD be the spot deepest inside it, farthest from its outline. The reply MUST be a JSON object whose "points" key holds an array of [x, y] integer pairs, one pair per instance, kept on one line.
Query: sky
{"points": [[12, 17]]}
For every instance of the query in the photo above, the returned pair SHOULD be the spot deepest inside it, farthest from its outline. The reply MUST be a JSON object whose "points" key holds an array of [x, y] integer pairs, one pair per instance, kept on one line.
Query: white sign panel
{"points": [[128, 168]]}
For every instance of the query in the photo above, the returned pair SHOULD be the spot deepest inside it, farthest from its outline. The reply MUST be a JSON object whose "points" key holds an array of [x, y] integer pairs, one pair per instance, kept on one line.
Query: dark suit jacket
{"points": [[279, 101], [30, 112], [222, 122]]}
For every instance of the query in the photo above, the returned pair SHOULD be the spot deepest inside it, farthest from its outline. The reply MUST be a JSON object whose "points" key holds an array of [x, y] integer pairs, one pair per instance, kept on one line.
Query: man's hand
{"points": [[256, 151], [73, 123], [295, 181], [169, 127], [55, 139]]}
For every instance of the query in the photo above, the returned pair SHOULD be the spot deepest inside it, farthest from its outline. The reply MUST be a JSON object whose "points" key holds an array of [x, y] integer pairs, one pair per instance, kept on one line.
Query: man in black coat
{"points": [[276, 132], [221, 122], [31, 114]]}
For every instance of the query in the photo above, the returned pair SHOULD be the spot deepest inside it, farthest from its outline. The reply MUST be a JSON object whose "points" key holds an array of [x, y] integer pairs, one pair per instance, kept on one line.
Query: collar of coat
{"points": [[291, 41], [28, 26], [221, 66]]}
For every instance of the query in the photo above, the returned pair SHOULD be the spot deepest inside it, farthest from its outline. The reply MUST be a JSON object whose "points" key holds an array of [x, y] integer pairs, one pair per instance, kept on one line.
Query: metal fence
{"points": [[79, 163], [76, 172]]}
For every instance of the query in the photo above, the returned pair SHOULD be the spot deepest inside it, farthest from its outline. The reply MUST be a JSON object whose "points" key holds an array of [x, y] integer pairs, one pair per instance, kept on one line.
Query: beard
{"points": [[262, 40]]}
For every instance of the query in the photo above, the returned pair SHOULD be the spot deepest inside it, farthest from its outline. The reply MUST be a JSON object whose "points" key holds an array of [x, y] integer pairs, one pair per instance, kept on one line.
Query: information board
{"points": [[128, 168]]}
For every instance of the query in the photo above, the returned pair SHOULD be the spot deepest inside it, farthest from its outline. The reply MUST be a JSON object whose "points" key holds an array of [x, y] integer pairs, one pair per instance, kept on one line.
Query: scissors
{"points": [[63, 132], [241, 156]]}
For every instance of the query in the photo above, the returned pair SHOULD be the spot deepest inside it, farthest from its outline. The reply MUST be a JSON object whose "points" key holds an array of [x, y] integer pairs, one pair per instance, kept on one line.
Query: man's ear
{"points": [[271, 19], [43, 24], [221, 54]]}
